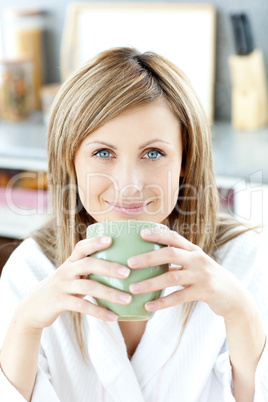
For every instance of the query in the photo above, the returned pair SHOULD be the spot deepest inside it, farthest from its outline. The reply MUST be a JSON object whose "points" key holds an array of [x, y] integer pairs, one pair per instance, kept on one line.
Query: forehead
{"points": [[154, 119]]}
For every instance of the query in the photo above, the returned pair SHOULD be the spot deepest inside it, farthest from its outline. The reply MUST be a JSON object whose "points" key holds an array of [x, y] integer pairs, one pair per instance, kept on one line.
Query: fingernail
{"points": [[111, 316], [150, 306], [146, 231], [125, 297], [124, 272], [105, 239], [133, 261], [135, 287]]}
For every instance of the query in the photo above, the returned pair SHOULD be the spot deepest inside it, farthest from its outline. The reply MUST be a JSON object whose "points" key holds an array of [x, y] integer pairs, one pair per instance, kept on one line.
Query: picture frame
{"points": [[183, 33]]}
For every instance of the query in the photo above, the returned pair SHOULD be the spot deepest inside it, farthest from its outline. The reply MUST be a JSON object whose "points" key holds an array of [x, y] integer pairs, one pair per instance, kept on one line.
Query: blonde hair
{"points": [[113, 82]]}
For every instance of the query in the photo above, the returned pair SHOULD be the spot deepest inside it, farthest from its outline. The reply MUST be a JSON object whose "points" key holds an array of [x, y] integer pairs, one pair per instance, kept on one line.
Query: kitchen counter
{"points": [[241, 154], [23, 144]]}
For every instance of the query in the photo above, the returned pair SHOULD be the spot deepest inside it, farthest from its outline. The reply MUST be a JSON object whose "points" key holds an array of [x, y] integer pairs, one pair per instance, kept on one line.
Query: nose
{"points": [[129, 181]]}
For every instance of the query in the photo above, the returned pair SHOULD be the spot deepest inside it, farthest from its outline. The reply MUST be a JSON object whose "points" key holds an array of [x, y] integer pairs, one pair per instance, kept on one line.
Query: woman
{"points": [[128, 139]]}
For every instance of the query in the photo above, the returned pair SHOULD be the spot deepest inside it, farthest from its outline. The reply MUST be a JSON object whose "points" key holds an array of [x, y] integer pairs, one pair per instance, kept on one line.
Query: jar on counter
{"points": [[16, 89], [23, 38], [48, 94]]}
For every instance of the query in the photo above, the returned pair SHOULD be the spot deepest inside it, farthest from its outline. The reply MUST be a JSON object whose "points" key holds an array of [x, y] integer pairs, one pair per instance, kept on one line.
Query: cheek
{"points": [[167, 180], [165, 185], [174, 186], [91, 186]]}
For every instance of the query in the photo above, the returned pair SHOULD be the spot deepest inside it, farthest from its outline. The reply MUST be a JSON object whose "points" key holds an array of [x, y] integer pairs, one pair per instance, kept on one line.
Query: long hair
{"points": [[114, 82]]}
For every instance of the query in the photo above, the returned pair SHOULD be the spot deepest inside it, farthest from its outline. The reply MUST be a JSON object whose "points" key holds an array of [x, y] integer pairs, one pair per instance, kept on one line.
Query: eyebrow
{"points": [[140, 147]]}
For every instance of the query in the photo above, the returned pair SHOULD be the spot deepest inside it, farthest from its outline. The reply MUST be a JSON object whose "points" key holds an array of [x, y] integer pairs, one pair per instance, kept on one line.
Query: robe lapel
{"points": [[159, 342], [124, 379], [108, 354]]}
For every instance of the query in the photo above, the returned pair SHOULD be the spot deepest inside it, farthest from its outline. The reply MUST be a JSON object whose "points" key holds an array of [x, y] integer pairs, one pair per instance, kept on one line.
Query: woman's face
{"points": [[130, 168]]}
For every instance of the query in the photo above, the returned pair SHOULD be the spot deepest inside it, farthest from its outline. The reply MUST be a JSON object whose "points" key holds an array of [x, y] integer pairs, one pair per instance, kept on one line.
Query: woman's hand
{"points": [[66, 288], [63, 290], [201, 277]]}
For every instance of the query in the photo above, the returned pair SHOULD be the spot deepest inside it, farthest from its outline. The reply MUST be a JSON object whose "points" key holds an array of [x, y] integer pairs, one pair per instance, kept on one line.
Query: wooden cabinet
{"points": [[22, 147]]}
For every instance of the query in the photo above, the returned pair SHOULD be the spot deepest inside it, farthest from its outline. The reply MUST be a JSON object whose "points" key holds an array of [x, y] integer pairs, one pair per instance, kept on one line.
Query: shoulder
{"points": [[242, 255], [26, 266], [29, 253], [245, 244]]}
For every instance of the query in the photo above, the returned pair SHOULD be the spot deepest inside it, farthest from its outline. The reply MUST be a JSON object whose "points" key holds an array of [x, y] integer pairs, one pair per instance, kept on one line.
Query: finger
{"points": [[165, 255], [92, 265], [179, 297], [87, 247], [72, 303], [90, 287], [171, 278], [167, 237]]}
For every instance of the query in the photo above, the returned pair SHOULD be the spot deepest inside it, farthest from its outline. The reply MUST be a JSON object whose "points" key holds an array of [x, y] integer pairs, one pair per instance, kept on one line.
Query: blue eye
{"points": [[153, 154], [103, 153]]}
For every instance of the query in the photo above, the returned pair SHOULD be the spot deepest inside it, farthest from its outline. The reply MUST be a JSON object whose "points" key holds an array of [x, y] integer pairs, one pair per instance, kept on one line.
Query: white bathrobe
{"points": [[161, 370]]}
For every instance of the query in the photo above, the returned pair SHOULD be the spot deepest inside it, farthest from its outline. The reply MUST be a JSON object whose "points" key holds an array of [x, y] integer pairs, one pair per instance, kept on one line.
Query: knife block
{"points": [[249, 91]]}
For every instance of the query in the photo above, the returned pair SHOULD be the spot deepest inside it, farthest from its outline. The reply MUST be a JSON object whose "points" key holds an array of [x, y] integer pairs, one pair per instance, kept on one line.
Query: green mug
{"points": [[127, 242]]}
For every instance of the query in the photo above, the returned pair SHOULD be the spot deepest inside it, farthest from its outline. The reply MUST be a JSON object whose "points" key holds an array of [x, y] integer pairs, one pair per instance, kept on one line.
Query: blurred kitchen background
{"points": [[41, 43]]}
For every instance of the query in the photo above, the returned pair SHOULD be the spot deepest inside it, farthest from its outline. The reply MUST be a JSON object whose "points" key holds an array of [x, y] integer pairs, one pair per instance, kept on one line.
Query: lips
{"points": [[128, 208]]}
